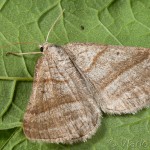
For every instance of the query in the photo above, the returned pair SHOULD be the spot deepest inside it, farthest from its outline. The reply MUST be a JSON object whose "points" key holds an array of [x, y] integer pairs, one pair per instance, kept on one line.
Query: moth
{"points": [[75, 83]]}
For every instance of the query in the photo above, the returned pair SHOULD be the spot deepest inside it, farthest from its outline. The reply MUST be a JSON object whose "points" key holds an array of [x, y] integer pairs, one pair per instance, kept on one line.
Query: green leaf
{"points": [[116, 22]]}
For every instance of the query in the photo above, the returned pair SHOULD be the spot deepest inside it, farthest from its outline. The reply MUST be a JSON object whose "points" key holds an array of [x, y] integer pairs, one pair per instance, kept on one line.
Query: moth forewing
{"points": [[61, 108], [121, 75]]}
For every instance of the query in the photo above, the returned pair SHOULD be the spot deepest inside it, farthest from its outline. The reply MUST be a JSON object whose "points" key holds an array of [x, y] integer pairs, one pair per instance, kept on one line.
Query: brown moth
{"points": [[75, 82]]}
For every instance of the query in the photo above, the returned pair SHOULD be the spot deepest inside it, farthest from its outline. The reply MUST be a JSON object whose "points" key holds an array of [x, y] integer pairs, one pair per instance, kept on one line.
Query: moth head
{"points": [[42, 46], [45, 47]]}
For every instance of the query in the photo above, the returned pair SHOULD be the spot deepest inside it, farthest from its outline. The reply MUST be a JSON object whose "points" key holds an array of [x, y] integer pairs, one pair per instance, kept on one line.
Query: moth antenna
{"points": [[54, 25], [20, 54]]}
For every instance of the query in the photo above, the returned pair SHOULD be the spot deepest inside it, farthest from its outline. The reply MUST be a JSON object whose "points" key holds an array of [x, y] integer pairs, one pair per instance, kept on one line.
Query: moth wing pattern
{"points": [[61, 108], [121, 75]]}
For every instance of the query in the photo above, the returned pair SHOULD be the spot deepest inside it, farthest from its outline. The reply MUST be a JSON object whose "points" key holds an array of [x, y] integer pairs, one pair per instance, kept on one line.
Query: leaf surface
{"points": [[116, 22]]}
